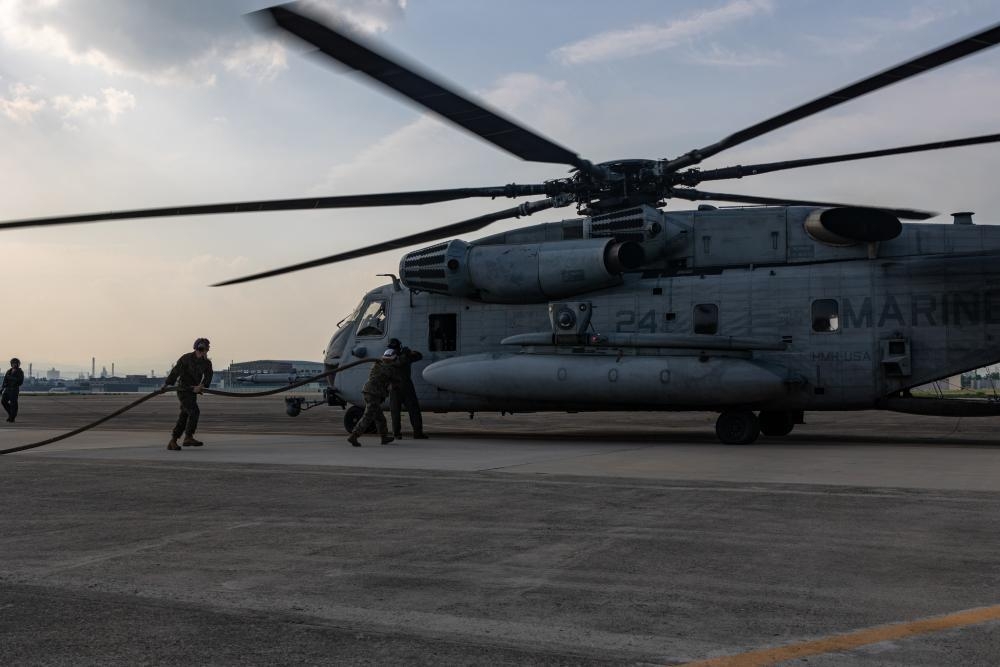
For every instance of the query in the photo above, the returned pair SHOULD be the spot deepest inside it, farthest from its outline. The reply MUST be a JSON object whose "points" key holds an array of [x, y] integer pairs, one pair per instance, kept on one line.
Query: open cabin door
{"points": [[442, 335]]}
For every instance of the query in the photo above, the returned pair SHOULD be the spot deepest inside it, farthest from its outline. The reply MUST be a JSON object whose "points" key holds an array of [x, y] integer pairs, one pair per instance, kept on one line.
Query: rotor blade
{"points": [[739, 171], [424, 90], [699, 195], [417, 197], [463, 227], [946, 54]]}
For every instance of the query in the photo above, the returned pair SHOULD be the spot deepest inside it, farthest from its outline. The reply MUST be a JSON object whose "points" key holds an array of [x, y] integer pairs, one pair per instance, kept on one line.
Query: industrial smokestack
{"points": [[112, 369], [963, 217], [93, 366]]}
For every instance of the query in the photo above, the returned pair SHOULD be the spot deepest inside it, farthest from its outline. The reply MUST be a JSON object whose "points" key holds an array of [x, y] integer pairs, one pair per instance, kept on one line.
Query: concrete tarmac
{"points": [[657, 546]]}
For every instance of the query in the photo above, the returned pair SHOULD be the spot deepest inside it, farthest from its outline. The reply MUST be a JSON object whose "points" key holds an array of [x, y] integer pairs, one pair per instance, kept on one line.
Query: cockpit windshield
{"points": [[370, 317], [373, 319], [350, 319], [344, 328]]}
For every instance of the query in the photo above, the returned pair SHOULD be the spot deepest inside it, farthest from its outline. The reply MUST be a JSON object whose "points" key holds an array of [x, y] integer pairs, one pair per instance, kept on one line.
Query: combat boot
{"points": [[173, 446], [386, 439], [353, 439], [191, 442]]}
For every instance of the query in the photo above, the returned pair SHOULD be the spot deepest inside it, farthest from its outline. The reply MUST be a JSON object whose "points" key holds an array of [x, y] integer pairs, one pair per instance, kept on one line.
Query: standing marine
{"points": [[192, 373], [403, 393], [11, 388], [383, 373]]}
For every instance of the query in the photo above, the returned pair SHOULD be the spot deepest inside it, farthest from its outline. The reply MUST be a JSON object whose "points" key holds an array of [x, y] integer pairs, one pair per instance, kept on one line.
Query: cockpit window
{"points": [[372, 321], [352, 318]]}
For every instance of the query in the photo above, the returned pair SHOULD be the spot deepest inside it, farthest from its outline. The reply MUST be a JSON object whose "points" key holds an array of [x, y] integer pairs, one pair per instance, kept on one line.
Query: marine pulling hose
{"points": [[166, 390]]}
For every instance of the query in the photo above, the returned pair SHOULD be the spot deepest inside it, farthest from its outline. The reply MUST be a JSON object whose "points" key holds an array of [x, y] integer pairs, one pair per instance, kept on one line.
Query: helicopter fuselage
{"points": [[838, 327]]}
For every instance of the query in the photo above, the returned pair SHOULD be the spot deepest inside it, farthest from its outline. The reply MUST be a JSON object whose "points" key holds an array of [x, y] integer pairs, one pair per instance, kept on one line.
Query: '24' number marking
{"points": [[627, 322]]}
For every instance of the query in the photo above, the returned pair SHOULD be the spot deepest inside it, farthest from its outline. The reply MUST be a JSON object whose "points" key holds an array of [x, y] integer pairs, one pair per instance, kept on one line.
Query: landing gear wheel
{"points": [[352, 416], [737, 427], [776, 423]]}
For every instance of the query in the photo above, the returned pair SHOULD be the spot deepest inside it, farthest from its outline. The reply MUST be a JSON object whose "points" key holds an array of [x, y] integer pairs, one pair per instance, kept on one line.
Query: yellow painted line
{"points": [[853, 640]]}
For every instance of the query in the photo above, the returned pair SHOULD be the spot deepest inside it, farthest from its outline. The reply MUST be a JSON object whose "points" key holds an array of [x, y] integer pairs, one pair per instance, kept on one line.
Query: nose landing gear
{"points": [[352, 416]]}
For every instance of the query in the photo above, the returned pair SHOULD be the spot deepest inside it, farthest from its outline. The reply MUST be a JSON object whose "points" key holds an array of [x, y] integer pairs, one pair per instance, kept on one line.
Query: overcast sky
{"points": [[119, 104]]}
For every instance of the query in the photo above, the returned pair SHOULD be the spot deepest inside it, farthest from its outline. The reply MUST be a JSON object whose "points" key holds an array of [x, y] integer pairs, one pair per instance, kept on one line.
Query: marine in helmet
{"points": [[403, 393], [11, 388], [192, 373], [383, 373]]}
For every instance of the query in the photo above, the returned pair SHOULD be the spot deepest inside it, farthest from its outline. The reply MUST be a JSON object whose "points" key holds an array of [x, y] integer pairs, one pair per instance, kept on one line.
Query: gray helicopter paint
{"points": [[673, 381], [944, 310]]}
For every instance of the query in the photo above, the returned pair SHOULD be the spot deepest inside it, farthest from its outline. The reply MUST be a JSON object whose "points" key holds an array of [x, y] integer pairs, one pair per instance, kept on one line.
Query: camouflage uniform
{"points": [[188, 373], [404, 393], [382, 375]]}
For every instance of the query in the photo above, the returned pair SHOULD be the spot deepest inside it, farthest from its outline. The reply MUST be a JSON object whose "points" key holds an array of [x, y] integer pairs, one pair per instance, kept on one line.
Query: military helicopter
{"points": [[759, 313]]}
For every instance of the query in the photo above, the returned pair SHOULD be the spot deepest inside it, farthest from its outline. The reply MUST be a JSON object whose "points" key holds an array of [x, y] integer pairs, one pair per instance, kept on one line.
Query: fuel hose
{"points": [[168, 390]]}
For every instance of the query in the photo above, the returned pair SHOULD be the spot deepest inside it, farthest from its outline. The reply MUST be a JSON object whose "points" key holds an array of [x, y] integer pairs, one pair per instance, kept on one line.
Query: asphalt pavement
{"points": [[570, 547]]}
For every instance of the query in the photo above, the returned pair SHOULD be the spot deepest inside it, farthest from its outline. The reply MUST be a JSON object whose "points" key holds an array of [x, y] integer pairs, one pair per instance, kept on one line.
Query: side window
{"points": [[442, 332], [372, 320], [825, 315], [706, 318]]}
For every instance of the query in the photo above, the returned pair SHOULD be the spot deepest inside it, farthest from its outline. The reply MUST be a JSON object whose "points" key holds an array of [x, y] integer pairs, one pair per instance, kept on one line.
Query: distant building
{"points": [[283, 367], [954, 383], [52, 374], [269, 372]]}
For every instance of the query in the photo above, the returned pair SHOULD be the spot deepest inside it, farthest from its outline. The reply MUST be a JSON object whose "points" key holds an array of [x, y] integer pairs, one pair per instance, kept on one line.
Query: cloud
{"points": [[617, 44], [539, 102], [918, 18], [117, 102], [953, 179], [23, 103], [718, 56], [869, 32], [176, 43], [368, 16], [72, 107], [260, 60], [73, 34]]}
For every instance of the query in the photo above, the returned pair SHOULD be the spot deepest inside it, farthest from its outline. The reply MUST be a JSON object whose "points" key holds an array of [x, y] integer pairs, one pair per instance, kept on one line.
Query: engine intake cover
{"points": [[440, 269], [850, 225]]}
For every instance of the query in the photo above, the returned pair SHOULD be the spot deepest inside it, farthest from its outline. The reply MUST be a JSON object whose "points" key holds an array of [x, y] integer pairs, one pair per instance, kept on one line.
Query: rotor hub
{"points": [[629, 182]]}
